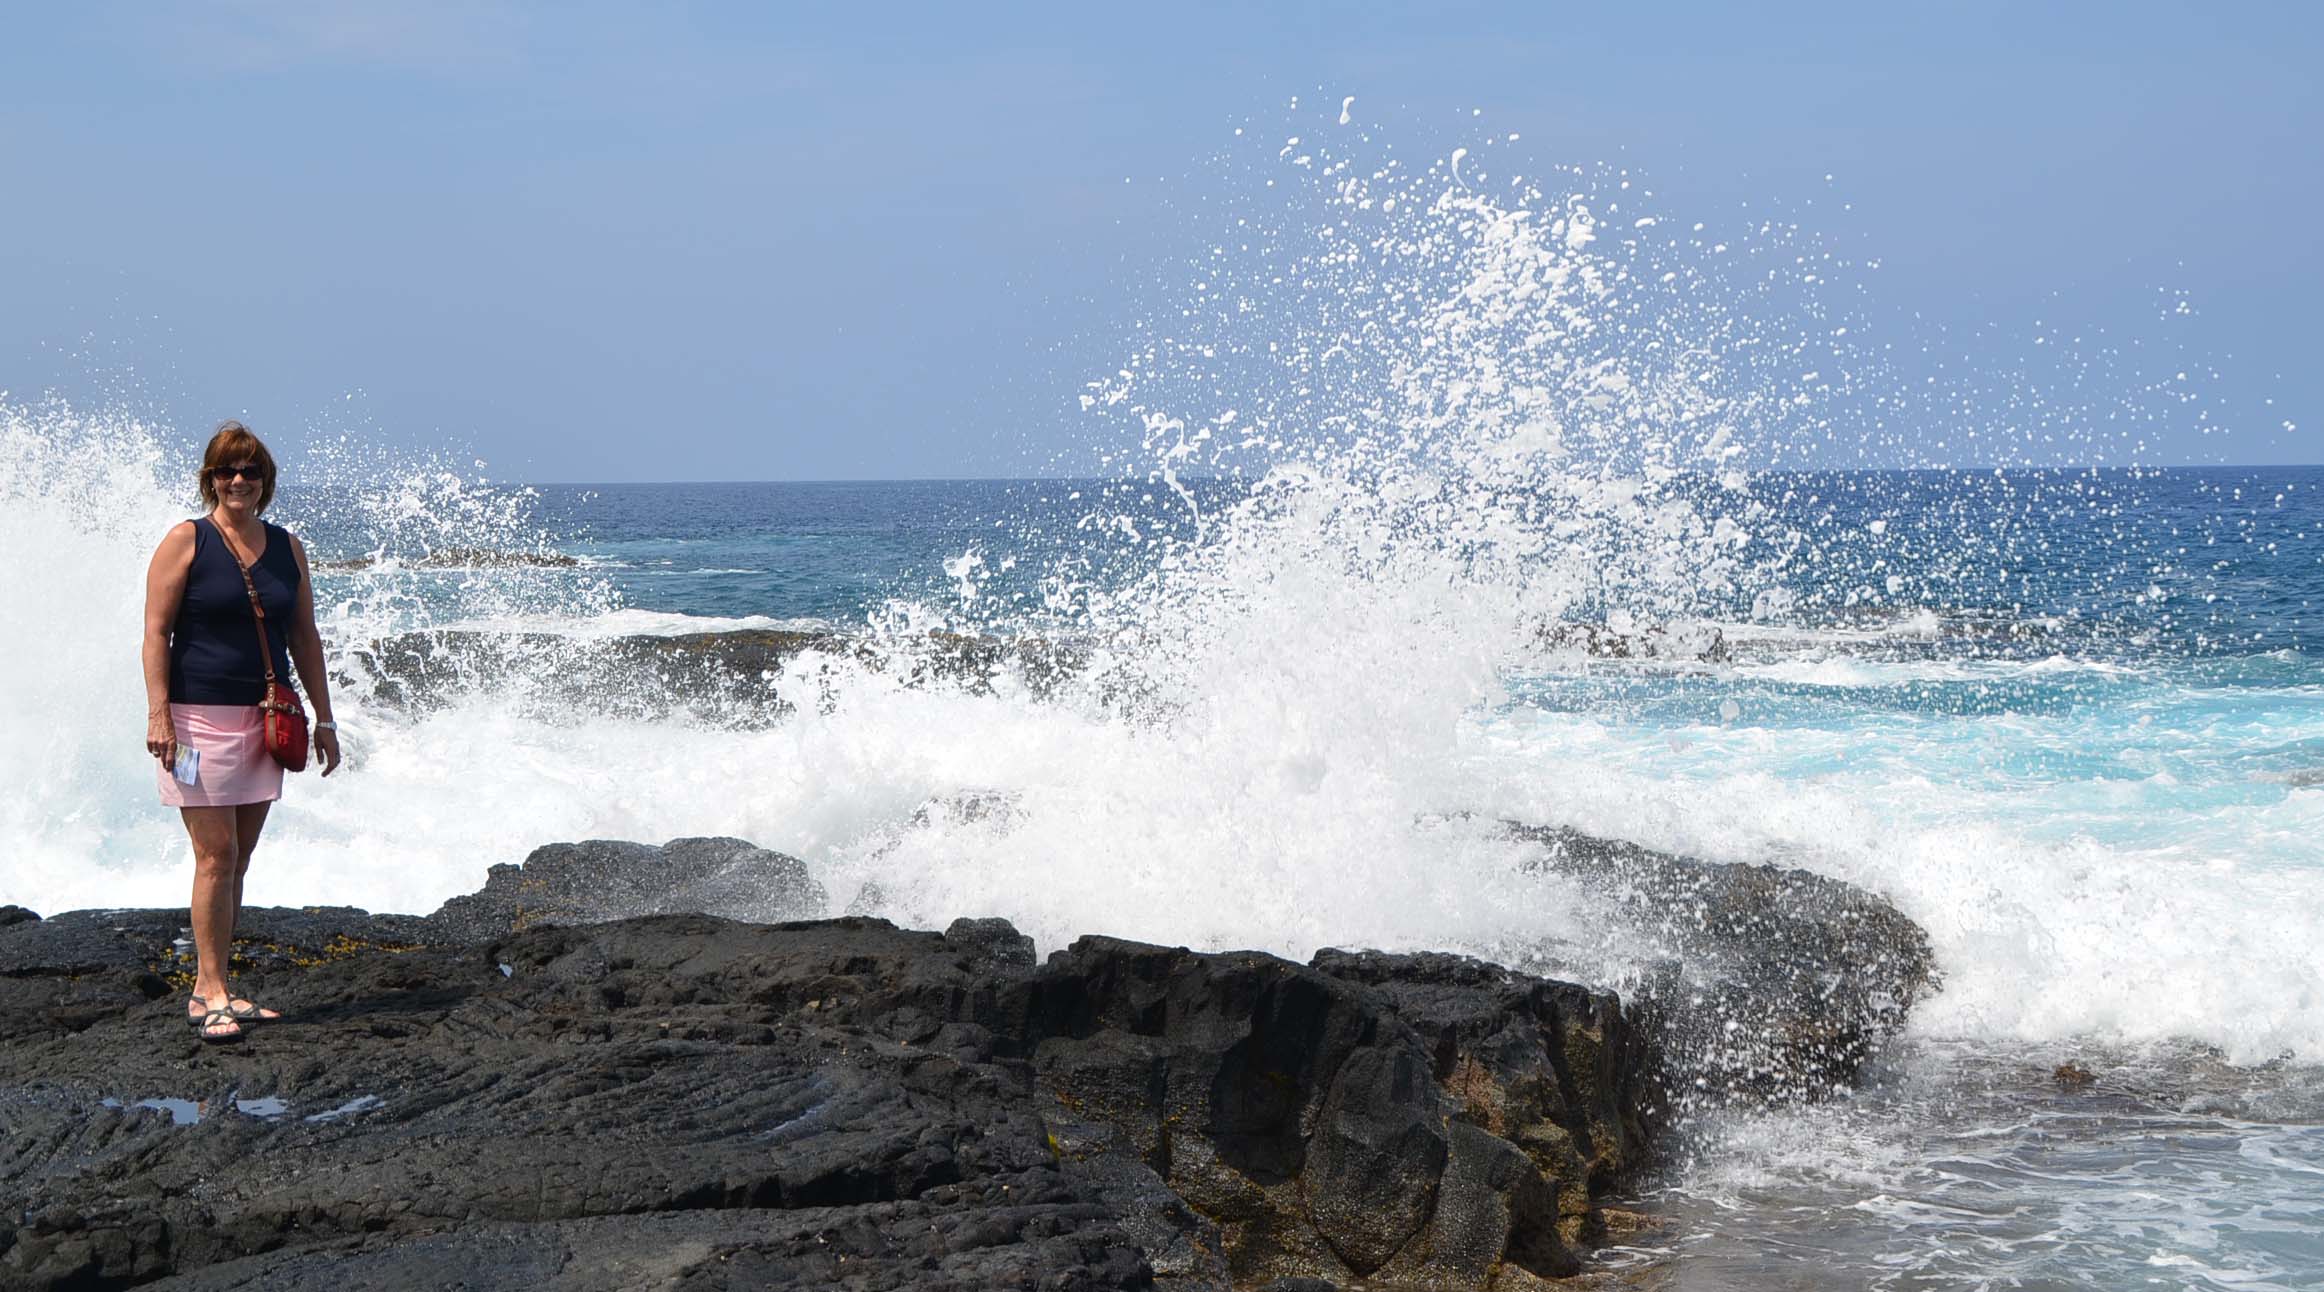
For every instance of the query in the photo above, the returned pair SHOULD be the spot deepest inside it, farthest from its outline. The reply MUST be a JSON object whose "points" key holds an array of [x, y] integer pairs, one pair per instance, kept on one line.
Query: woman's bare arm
{"points": [[306, 650], [165, 587]]}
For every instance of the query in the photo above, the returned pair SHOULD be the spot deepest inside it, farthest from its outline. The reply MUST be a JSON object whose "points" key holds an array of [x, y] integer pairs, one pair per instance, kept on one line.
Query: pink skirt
{"points": [[235, 768]]}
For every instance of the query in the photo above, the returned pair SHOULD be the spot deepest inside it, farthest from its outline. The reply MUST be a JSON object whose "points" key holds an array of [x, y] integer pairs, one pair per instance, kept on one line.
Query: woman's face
{"points": [[239, 487]]}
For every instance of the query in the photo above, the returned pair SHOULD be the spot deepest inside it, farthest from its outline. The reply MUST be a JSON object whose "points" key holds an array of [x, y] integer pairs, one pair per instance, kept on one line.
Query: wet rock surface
{"points": [[562, 1082], [1775, 985], [727, 678], [741, 677], [608, 879]]}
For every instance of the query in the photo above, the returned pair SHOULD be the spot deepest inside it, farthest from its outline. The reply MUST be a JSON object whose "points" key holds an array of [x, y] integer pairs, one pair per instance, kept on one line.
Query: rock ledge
{"points": [[571, 1080]]}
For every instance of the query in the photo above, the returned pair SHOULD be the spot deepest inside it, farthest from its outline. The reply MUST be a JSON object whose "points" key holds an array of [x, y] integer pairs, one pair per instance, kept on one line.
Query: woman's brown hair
{"points": [[235, 446]]}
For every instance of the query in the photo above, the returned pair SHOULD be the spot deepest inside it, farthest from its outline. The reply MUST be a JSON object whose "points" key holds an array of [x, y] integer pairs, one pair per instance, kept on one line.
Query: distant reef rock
{"points": [[620, 1066], [733, 676], [1692, 643], [721, 676], [455, 558]]}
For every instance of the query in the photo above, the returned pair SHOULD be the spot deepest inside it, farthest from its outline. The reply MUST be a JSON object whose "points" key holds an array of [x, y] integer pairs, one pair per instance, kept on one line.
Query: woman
{"points": [[204, 679]]}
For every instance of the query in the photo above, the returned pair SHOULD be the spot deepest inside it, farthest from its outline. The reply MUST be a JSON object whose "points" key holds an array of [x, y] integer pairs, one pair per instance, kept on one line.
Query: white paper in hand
{"points": [[188, 767]]}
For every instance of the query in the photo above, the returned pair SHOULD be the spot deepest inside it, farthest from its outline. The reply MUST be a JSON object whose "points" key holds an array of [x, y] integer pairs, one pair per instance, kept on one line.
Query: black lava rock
{"points": [[569, 1080], [606, 879], [1777, 986]]}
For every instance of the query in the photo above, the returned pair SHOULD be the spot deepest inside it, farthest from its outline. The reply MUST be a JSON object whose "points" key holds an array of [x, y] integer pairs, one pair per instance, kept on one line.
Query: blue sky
{"points": [[741, 241]]}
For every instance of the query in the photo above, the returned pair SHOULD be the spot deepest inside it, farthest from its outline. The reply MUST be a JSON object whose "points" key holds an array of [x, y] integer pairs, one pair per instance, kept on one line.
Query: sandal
{"points": [[205, 1024], [245, 1011]]}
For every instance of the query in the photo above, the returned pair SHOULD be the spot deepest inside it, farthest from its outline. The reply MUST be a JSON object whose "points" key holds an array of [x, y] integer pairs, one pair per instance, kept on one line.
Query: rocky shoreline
{"points": [[622, 1066]]}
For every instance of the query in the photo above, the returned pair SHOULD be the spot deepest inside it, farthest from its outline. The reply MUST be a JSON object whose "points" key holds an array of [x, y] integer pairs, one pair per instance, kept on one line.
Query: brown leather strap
{"points": [[265, 647]]}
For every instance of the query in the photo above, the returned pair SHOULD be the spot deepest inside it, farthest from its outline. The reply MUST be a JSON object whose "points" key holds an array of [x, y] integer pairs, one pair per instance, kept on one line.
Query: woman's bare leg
{"points": [[249, 820], [217, 856]]}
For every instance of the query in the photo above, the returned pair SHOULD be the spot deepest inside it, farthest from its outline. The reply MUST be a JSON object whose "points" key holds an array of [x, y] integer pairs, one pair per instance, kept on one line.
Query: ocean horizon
{"points": [[1099, 477]]}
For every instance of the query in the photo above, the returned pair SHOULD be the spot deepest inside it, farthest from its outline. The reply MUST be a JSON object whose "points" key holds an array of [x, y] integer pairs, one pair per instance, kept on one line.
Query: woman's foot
{"points": [[246, 1012], [213, 1025]]}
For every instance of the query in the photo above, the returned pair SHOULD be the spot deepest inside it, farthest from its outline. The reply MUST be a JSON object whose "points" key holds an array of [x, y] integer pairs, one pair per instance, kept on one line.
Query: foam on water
{"points": [[1971, 1166]]}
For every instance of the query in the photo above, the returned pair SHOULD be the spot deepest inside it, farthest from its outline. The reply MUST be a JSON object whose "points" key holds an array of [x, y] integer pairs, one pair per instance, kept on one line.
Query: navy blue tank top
{"points": [[213, 646]]}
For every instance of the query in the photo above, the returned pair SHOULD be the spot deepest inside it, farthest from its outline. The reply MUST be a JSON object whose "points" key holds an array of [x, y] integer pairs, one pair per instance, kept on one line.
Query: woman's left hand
{"points": [[327, 749]]}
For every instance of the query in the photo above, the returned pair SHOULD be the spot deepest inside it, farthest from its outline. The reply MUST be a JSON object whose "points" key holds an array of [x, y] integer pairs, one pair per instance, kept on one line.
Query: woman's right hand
{"points": [[161, 737]]}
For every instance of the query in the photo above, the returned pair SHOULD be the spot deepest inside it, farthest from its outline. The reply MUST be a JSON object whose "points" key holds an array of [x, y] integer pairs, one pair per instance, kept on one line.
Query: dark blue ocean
{"points": [[2219, 562]]}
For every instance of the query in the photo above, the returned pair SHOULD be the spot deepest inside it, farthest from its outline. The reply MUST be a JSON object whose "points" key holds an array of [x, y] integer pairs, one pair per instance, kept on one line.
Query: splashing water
{"points": [[83, 500], [1458, 421]]}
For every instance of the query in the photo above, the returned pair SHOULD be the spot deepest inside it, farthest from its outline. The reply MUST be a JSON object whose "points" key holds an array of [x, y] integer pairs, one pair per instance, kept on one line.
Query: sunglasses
{"points": [[247, 471]]}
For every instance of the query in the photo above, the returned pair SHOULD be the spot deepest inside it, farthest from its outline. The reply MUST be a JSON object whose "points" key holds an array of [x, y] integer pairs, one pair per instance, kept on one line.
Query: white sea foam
{"points": [[1841, 670], [84, 499], [1970, 1167]]}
